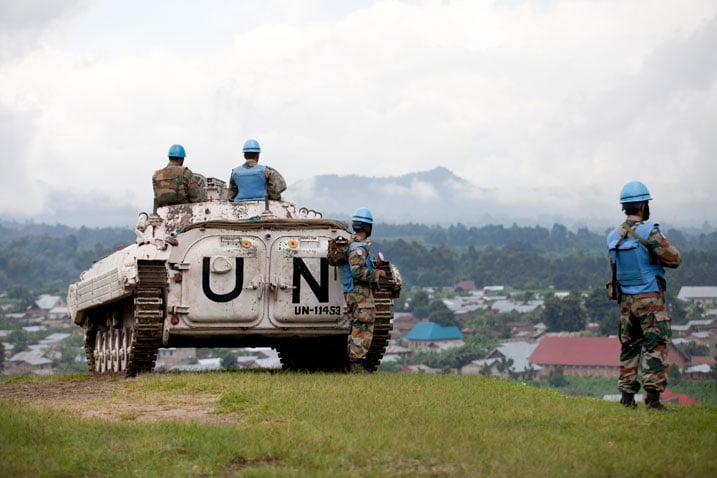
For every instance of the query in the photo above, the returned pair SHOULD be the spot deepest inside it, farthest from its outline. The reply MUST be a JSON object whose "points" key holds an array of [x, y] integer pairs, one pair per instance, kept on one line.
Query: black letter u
{"points": [[239, 281]]}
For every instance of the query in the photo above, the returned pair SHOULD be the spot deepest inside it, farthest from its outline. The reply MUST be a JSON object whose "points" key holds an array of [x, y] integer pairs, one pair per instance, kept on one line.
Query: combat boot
{"points": [[652, 402], [628, 400], [358, 368]]}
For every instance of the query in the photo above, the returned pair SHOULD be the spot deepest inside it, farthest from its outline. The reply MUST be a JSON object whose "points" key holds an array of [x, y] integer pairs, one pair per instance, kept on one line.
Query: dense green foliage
{"points": [[67, 353], [38, 258], [526, 257], [564, 315], [557, 239]]}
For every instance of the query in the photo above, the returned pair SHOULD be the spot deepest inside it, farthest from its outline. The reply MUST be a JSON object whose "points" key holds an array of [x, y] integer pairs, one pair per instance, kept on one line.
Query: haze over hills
{"points": [[433, 197], [440, 197]]}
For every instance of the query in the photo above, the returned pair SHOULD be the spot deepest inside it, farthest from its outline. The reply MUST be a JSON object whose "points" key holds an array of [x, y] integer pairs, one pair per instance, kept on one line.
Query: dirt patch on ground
{"points": [[107, 400]]}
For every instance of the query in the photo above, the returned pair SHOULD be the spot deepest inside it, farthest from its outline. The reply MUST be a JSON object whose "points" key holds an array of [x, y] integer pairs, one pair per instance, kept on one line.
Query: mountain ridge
{"points": [[436, 196]]}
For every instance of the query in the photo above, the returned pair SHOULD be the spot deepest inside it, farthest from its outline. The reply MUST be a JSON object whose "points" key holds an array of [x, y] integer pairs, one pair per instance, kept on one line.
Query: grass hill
{"points": [[286, 424]]}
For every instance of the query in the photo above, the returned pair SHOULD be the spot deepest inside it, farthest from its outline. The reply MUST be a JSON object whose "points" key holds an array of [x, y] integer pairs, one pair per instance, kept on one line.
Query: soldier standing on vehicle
{"points": [[640, 252], [175, 183], [252, 181], [359, 277]]}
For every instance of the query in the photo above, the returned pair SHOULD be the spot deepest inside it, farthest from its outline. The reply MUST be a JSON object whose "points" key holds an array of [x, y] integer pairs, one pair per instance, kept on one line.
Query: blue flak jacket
{"points": [[251, 182], [635, 273], [346, 279]]}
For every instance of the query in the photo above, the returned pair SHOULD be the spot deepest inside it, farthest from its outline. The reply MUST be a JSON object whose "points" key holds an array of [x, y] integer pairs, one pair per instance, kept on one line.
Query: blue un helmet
{"points": [[362, 220], [251, 146], [634, 191], [176, 151]]}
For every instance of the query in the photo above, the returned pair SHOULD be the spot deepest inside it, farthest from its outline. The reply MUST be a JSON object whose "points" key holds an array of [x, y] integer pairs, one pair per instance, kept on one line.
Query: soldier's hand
{"points": [[380, 274]]}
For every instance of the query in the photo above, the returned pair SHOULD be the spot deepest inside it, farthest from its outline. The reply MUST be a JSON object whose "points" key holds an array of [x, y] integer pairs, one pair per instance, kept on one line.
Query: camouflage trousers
{"points": [[361, 320], [644, 334]]}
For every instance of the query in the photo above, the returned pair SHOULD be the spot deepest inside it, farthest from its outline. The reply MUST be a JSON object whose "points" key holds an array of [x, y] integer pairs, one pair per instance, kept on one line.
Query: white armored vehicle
{"points": [[221, 274]]}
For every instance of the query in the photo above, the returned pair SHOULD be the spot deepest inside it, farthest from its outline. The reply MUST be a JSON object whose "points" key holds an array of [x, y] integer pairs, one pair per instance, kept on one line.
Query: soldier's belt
{"points": [[647, 295]]}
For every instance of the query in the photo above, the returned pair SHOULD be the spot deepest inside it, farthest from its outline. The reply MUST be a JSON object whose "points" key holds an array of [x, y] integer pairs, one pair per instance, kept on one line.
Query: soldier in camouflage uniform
{"points": [[359, 277], [252, 181], [175, 183], [639, 252]]}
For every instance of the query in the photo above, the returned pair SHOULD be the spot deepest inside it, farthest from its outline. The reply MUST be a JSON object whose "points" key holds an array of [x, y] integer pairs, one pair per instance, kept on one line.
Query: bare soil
{"points": [[108, 400]]}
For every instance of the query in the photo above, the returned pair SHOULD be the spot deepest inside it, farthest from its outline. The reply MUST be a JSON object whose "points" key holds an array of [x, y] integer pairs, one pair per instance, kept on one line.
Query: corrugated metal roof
{"points": [[519, 353], [56, 337], [697, 292], [32, 357], [509, 305], [592, 351], [47, 302], [433, 331], [701, 368]]}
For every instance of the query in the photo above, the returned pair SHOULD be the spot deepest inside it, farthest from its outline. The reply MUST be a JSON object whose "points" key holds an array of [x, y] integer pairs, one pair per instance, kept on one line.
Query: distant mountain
{"points": [[434, 197]]}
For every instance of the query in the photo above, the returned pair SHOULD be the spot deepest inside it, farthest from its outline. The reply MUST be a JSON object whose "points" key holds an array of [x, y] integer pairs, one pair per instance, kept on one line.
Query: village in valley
{"points": [[41, 340]]}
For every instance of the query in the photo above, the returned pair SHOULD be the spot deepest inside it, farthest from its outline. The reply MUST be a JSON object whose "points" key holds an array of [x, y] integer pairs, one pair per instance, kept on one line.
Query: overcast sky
{"points": [[548, 104]]}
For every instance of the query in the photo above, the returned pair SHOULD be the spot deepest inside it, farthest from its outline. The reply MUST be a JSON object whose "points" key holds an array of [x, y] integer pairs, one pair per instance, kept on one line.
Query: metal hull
{"points": [[217, 274]]}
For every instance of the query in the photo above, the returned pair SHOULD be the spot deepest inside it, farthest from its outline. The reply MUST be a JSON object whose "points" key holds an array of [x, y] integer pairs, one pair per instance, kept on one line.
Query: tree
{"points": [[676, 308], [694, 349], [503, 366], [20, 339], [564, 315], [530, 373], [439, 313], [602, 311], [556, 377], [69, 350], [419, 304], [2, 357], [20, 293], [228, 356], [674, 376], [474, 348]]}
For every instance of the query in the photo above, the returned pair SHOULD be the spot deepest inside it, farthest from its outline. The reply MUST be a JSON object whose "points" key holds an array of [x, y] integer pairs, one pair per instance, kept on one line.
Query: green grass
{"points": [[284, 424], [704, 392]]}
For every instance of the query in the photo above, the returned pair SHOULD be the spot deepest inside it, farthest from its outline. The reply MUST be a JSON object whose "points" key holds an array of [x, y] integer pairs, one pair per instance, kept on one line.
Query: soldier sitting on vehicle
{"points": [[175, 183], [252, 181]]}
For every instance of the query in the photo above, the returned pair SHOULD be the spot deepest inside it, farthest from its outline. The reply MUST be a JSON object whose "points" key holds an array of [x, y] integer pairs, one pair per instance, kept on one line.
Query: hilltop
{"points": [[285, 424]]}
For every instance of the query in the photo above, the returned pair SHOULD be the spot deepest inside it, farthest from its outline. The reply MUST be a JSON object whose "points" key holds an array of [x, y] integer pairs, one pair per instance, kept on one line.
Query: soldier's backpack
{"points": [[338, 253]]}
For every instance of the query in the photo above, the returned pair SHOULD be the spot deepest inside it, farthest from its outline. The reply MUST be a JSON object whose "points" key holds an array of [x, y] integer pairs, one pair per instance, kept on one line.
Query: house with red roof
{"points": [[587, 356], [675, 398], [466, 285], [667, 396], [581, 356]]}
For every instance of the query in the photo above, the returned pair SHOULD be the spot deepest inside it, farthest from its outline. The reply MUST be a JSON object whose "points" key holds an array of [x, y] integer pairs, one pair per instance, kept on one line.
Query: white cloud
{"points": [[583, 94], [22, 23], [416, 190]]}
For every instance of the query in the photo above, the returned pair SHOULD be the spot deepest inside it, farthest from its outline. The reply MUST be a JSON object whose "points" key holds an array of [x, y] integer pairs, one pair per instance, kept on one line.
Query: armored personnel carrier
{"points": [[221, 274]]}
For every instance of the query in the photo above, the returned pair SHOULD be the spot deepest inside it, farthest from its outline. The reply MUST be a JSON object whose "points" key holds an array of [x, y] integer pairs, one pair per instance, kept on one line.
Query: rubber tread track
{"points": [[148, 321], [149, 316], [295, 358], [384, 314]]}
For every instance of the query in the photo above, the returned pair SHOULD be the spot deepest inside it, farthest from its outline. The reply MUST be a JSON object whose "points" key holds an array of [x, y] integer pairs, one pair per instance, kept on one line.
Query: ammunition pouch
{"points": [[613, 290]]}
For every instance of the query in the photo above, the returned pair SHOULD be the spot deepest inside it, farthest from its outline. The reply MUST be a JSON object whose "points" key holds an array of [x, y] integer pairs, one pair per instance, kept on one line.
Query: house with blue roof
{"points": [[433, 337]]}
